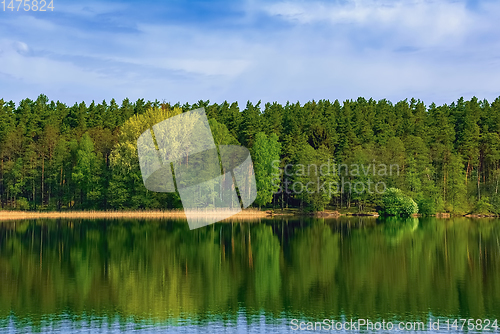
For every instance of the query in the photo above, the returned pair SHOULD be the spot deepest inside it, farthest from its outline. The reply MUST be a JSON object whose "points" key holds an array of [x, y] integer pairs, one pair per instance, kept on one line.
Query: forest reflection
{"points": [[313, 268]]}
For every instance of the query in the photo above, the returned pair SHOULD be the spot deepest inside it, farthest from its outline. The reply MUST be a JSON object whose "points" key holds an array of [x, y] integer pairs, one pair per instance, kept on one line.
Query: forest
{"points": [[83, 157]]}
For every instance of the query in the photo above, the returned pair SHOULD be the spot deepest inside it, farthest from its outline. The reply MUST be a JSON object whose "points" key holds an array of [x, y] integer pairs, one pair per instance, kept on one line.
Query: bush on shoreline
{"points": [[396, 203]]}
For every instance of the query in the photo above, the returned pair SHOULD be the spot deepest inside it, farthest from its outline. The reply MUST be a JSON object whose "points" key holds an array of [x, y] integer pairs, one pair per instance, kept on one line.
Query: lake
{"points": [[279, 275]]}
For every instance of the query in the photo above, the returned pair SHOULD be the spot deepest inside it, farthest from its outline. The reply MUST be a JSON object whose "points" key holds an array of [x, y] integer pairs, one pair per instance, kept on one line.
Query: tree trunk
{"points": [[60, 191], [43, 172], [467, 172], [1, 184], [444, 186], [496, 187], [282, 199], [478, 184], [34, 189]]}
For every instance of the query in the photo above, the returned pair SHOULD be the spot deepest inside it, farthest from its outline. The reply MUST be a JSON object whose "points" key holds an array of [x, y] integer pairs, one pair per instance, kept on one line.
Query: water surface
{"points": [[80, 276]]}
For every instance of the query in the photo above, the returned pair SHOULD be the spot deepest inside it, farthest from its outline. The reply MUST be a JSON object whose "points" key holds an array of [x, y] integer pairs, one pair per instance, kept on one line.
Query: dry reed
{"points": [[139, 214]]}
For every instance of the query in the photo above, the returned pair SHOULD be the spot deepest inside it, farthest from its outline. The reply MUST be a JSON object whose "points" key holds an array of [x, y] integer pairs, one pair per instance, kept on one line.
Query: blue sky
{"points": [[291, 50]]}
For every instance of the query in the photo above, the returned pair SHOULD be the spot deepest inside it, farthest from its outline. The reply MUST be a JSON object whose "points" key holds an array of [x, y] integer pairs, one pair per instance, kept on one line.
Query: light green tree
{"points": [[126, 188], [265, 150]]}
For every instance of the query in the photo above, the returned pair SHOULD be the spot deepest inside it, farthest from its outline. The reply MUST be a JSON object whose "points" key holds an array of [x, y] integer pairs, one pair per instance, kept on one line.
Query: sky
{"points": [[251, 50]]}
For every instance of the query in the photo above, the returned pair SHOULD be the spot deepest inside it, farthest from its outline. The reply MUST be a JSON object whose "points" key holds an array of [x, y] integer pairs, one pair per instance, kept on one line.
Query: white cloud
{"points": [[39, 70], [426, 22], [21, 47]]}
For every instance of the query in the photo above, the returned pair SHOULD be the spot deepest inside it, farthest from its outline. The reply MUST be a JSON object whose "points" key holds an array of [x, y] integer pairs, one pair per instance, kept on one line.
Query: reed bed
{"points": [[140, 214]]}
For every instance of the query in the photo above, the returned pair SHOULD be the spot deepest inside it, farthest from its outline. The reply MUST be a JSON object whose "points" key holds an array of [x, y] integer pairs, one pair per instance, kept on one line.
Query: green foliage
{"points": [[396, 203], [265, 150], [483, 206], [427, 206], [22, 204], [86, 172], [495, 204], [126, 186], [316, 187], [221, 134]]}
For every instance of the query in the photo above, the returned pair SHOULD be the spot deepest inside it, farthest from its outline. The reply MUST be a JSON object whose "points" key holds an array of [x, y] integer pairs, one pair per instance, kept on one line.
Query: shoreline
{"points": [[247, 214]]}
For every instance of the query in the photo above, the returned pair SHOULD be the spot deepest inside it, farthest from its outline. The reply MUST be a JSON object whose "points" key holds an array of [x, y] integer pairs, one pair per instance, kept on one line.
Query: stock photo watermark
{"points": [[27, 5], [332, 178], [183, 145]]}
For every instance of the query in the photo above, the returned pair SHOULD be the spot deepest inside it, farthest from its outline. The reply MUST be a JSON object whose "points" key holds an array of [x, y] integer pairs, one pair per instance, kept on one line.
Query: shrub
{"points": [[483, 206], [22, 204], [495, 204], [396, 203], [427, 206]]}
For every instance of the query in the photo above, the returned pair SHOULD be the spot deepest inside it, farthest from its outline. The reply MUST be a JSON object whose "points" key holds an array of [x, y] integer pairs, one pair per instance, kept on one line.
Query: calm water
{"points": [[81, 276]]}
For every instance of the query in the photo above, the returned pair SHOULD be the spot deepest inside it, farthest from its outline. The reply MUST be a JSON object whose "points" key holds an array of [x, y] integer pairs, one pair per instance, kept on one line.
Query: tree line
{"points": [[58, 157]]}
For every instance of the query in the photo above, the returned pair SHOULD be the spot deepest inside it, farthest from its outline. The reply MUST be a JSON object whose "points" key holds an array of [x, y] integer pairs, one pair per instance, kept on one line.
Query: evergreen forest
{"points": [[83, 157]]}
